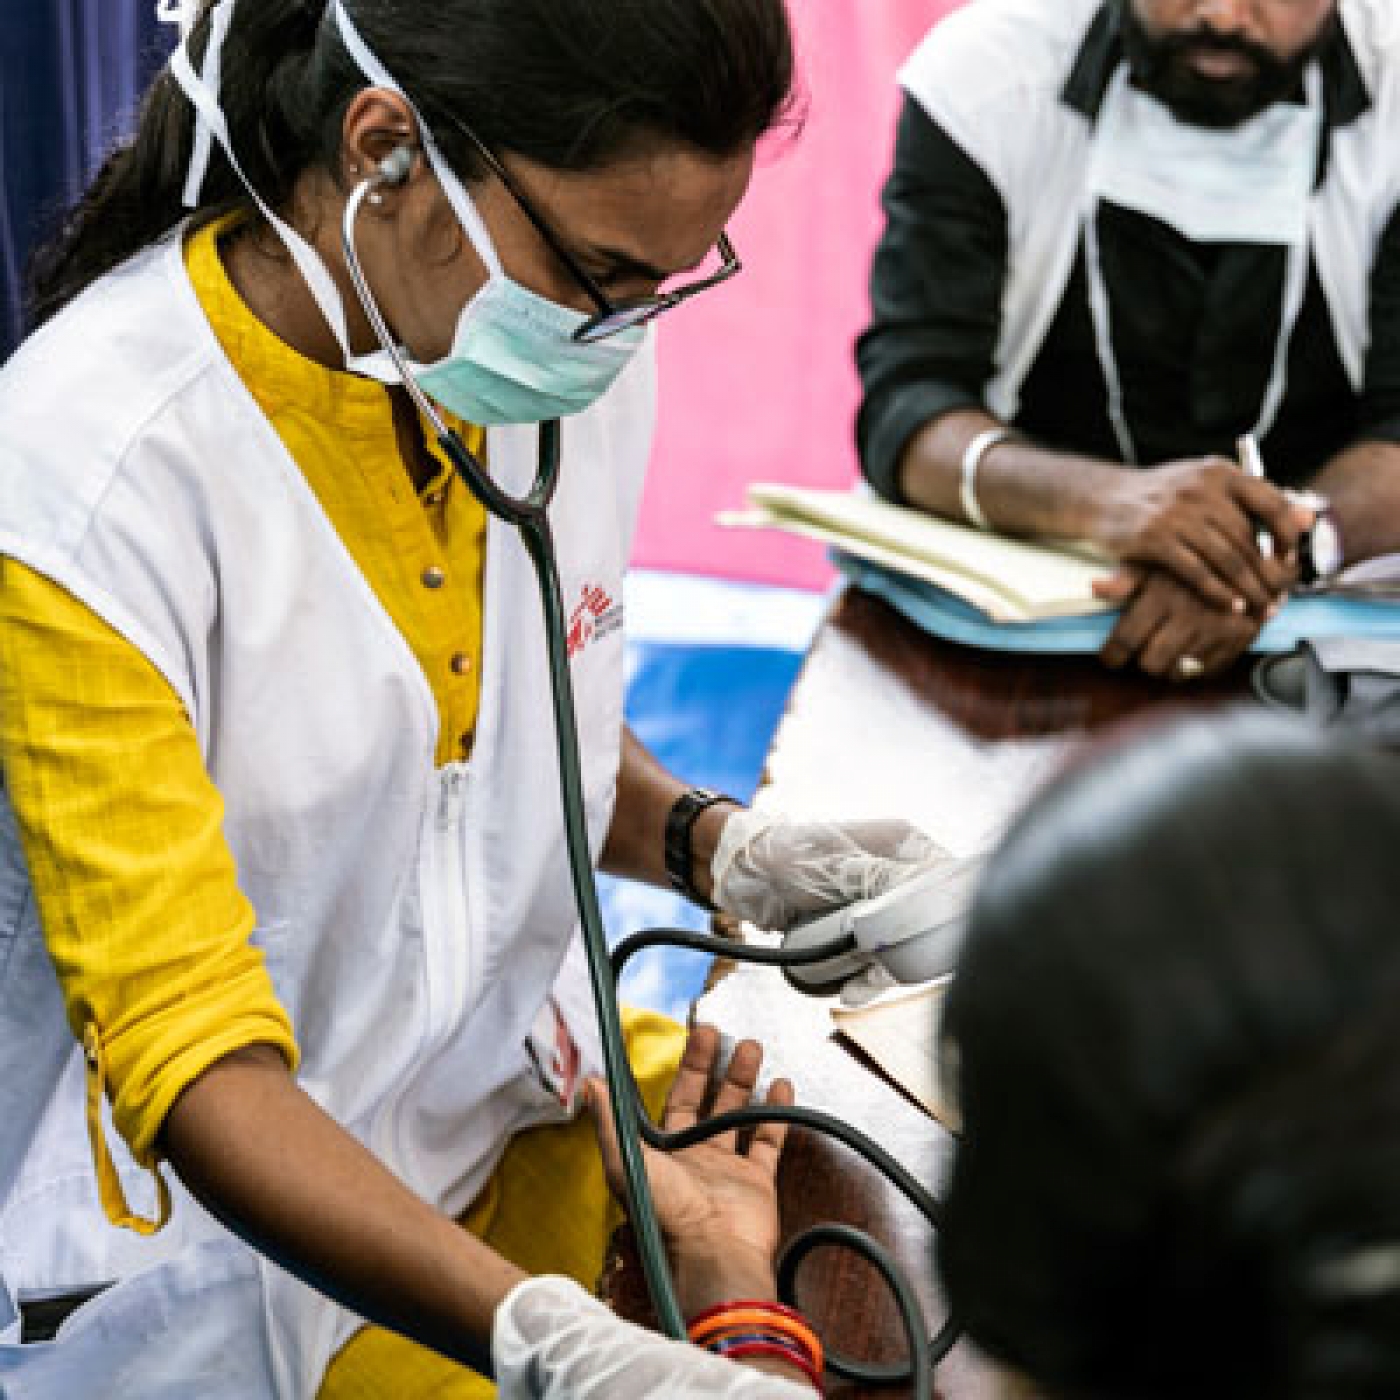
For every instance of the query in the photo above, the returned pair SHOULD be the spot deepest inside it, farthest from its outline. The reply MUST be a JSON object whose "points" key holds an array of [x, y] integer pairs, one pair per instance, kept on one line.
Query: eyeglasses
{"points": [[613, 317]]}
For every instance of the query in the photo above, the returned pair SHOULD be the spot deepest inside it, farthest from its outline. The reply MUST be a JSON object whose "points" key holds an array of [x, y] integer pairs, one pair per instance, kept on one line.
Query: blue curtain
{"points": [[71, 76]]}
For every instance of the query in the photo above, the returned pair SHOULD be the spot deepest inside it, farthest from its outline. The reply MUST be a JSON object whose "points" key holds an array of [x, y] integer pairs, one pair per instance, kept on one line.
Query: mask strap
{"points": [[461, 202], [1295, 291], [211, 75], [1102, 314], [1099, 307], [1295, 288], [202, 91], [179, 12], [1294, 295]]}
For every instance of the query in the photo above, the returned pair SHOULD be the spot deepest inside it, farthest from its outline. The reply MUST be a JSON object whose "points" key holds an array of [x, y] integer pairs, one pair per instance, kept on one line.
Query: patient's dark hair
{"points": [[570, 84], [1175, 1036]]}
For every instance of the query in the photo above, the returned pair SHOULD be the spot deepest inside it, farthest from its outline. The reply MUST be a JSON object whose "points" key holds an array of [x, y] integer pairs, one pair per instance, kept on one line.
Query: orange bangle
{"points": [[748, 1317], [785, 1323]]}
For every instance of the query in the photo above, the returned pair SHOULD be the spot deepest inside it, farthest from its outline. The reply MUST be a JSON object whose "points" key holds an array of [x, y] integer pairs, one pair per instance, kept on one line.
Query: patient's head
{"points": [[1175, 1037]]}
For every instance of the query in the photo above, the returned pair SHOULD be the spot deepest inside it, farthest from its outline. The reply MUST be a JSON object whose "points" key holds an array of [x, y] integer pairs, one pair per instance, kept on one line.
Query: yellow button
{"points": [[433, 577], [461, 663], [434, 498]]}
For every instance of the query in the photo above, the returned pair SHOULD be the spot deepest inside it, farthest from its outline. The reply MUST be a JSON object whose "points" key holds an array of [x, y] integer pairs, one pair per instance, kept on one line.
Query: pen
{"points": [[1253, 465]]}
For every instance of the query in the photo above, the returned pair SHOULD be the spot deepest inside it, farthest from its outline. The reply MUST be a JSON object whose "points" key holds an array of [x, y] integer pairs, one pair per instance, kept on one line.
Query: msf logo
{"points": [[594, 617]]}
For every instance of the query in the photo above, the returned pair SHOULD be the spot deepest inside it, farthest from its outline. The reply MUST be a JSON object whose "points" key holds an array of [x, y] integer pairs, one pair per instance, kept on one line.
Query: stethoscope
{"points": [[530, 516]]}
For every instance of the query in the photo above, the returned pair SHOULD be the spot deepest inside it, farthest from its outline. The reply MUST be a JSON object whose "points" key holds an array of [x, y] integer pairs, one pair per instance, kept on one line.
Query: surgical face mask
{"points": [[513, 357], [1253, 185]]}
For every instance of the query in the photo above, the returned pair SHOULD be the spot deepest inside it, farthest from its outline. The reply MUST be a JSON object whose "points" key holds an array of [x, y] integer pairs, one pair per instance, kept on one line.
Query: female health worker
{"points": [[289, 985]]}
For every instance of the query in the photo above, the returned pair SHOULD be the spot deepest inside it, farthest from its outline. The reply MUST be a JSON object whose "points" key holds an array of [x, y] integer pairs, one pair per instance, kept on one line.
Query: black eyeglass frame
{"points": [[613, 317]]}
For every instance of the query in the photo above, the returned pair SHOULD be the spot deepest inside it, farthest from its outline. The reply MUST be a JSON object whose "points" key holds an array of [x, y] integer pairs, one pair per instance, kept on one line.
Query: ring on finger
{"points": [[1190, 668]]}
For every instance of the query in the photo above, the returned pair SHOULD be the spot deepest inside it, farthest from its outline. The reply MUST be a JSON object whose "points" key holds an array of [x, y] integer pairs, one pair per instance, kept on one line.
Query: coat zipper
{"points": [[447, 952]]}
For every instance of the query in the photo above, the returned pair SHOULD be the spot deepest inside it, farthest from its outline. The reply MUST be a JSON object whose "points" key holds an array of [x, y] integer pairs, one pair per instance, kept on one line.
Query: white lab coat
{"points": [[415, 921], [992, 76]]}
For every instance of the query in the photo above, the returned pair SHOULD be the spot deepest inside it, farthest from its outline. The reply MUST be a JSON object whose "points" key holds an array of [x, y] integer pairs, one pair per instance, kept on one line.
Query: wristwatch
{"points": [[680, 828], [1320, 551]]}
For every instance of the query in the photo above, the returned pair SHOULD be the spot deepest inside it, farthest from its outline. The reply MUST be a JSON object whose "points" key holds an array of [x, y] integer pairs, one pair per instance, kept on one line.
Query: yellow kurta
{"points": [[121, 824]]}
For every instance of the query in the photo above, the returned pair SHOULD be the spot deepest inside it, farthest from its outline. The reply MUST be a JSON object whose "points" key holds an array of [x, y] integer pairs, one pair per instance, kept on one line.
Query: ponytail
{"points": [[137, 196]]}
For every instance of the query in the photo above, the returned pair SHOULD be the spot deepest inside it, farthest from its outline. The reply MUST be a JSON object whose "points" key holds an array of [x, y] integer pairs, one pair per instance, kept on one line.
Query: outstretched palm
{"points": [[721, 1191]]}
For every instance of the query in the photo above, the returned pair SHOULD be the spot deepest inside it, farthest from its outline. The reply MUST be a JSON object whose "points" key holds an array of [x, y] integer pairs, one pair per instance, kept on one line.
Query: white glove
{"points": [[553, 1341], [776, 872]]}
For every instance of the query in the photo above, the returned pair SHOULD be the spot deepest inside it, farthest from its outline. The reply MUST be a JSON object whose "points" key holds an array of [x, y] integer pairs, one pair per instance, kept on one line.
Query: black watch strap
{"points": [[680, 829]]}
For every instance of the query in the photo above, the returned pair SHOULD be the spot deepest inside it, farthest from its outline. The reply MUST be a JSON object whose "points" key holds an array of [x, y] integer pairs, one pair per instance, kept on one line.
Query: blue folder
{"points": [[945, 615]]}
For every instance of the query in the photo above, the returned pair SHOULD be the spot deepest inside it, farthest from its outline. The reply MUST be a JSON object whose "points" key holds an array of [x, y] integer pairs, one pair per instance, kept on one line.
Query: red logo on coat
{"points": [[594, 617]]}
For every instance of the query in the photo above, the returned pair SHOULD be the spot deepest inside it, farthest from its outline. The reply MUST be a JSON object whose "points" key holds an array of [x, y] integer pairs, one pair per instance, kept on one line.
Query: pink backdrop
{"points": [[758, 380]]}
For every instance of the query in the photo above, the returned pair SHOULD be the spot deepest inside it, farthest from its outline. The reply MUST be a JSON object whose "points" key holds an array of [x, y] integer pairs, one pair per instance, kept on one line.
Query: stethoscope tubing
{"points": [[631, 1124], [924, 1353], [529, 514]]}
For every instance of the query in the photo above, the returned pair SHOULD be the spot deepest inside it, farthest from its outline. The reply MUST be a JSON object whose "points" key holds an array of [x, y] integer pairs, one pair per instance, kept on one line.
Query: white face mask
{"points": [[1252, 184], [513, 358]]}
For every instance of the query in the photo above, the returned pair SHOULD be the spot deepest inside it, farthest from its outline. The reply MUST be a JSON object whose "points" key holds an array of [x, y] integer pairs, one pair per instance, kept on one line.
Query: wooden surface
{"points": [[1002, 695], [887, 721]]}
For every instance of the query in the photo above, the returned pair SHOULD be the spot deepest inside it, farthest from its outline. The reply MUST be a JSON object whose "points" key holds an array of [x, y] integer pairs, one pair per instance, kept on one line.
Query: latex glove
{"points": [[554, 1341], [776, 872]]}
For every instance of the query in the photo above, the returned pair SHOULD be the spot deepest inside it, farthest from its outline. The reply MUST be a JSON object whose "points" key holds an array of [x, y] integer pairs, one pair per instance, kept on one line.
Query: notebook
{"points": [[1005, 580], [983, 590], [1335, 612]]}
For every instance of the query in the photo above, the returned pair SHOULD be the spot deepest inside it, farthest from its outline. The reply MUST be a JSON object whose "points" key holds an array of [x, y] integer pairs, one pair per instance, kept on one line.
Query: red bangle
{"points": [[761, 1304], [777, 1351]]}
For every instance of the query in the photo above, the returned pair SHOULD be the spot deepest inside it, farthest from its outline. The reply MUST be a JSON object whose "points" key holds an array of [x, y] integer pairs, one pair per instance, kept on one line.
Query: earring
{"points": [[376, 198]]}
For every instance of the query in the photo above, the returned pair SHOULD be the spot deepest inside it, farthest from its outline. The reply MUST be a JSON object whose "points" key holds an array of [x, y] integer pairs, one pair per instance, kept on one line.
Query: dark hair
{"points": [[1175, 1034], [570, 84]]}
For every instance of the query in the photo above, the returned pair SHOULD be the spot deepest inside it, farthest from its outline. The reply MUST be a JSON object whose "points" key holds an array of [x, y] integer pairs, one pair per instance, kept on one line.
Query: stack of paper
{"points": [[1008, 580]]}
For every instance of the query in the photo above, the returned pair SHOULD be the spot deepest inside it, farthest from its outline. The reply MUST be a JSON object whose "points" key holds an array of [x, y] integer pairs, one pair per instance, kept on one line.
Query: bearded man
{"points": [[1128, 234]]}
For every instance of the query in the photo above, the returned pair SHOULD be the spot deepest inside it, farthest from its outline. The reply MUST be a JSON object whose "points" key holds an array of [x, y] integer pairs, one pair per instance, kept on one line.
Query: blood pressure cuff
{"points": [[1349, 683]]}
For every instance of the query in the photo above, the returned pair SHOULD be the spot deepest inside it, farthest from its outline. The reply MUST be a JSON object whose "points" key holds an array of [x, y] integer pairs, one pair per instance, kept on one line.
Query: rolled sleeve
{"points": [[936, 292], [122, 829]]}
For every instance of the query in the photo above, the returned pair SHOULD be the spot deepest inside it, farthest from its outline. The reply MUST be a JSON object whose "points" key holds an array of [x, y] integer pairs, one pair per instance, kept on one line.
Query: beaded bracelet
{"points": [[779, 1350]]}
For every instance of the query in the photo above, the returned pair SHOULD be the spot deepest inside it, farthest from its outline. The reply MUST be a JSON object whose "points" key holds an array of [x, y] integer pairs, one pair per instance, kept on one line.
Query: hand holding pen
{"points": [[1252, 463], [1220, 530], [1305, 504]]}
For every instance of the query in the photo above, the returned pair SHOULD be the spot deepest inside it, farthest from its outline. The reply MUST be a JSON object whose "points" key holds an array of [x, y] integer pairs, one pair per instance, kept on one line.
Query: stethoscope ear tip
{"points": [[395, 167]]}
